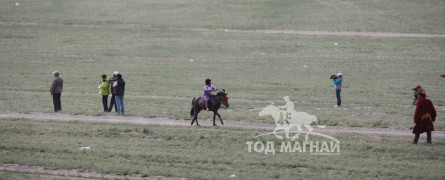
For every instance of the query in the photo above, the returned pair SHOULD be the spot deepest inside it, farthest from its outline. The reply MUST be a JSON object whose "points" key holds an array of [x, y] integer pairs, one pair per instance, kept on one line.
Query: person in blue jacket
{"points": [[338, 84]]}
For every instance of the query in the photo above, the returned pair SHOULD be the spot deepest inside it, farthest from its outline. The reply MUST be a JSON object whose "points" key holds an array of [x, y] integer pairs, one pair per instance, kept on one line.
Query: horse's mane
{"points": [[274, 107], [220, 93]]}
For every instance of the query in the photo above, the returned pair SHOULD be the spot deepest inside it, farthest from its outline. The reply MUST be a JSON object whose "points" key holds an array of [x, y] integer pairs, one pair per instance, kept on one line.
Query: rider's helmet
{"points": [[208, 81]]}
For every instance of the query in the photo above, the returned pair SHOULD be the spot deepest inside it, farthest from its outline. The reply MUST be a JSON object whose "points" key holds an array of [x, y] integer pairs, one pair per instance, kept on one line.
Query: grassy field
{"points": [[379, 72], [414, 16], [208, 153], [151, 44]]}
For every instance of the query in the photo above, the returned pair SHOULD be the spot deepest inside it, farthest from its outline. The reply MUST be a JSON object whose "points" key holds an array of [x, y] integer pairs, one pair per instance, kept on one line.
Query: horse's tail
{"points": [[193, 100], [192, 112]]}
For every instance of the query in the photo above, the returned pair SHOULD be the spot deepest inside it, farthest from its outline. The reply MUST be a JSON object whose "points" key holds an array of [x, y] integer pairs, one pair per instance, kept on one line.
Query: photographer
{"points": [[337, 80]]}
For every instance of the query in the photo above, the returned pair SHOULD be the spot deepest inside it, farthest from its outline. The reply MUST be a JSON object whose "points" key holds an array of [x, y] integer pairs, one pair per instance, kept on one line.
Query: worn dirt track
{"points": [[55, 173], [261, 31], [228, 123]]}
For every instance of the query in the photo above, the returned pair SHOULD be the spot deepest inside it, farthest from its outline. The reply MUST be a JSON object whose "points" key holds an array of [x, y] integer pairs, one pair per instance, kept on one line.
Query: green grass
{"points": [[151, 43], [415, 16], [379, 72], [14, 175], [208, 153]]}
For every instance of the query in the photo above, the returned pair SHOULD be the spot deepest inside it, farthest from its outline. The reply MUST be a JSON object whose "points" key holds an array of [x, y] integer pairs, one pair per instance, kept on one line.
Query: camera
{"points": [[333, 77]]}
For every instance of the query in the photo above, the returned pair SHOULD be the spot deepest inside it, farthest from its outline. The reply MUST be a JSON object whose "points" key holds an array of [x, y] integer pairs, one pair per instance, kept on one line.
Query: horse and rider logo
{"points": [[287, 118]]}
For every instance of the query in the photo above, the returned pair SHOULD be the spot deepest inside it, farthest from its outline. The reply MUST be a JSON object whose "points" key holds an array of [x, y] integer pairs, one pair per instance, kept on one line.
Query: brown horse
{"points": [[215, 102]]}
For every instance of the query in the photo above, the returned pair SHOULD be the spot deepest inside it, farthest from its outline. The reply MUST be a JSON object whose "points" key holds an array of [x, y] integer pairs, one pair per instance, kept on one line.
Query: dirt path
{"points": [[264, 31], [55, 173], [228, 123], [349, 33]]}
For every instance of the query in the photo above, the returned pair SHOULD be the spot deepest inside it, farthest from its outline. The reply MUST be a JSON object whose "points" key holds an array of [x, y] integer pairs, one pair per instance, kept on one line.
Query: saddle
{"points": [[199, 100]]}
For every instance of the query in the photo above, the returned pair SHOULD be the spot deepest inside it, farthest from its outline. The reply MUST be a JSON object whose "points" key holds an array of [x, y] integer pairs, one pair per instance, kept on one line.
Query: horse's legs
{"points": [[287, 132], [214, 116], [222, 123], [195, 117], [310, 129], [298, 134], [275, 133]]}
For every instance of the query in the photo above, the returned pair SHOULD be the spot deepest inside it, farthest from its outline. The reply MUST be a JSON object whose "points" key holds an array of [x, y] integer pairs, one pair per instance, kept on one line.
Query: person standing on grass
{"points": [[56, 91], [104, 91], [119, 90], [338, 85], [113, 96], [424, 117]]}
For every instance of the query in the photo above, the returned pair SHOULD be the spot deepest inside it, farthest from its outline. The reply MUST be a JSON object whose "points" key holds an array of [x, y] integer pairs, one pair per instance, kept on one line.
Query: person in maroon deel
{"points": [[443, 75], [424, 117]]}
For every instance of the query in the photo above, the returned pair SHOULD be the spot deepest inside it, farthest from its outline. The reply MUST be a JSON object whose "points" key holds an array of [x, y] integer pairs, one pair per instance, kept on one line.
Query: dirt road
{"points": [[263, 31], [56, 173], [228, 123]]}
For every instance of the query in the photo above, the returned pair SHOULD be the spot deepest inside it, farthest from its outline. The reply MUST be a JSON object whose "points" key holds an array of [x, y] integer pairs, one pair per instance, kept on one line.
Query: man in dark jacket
{"points": [[113, 96], [119, 91], [56, 91], [424, 117]]}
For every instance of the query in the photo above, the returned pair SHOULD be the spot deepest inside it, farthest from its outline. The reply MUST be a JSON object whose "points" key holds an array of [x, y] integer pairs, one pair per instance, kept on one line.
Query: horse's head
{"points": [[269, 110], [223, 97]]}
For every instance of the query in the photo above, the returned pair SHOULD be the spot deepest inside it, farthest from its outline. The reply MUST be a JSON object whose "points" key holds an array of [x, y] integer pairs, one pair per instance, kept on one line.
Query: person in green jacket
{"points": [[104, 91]]}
